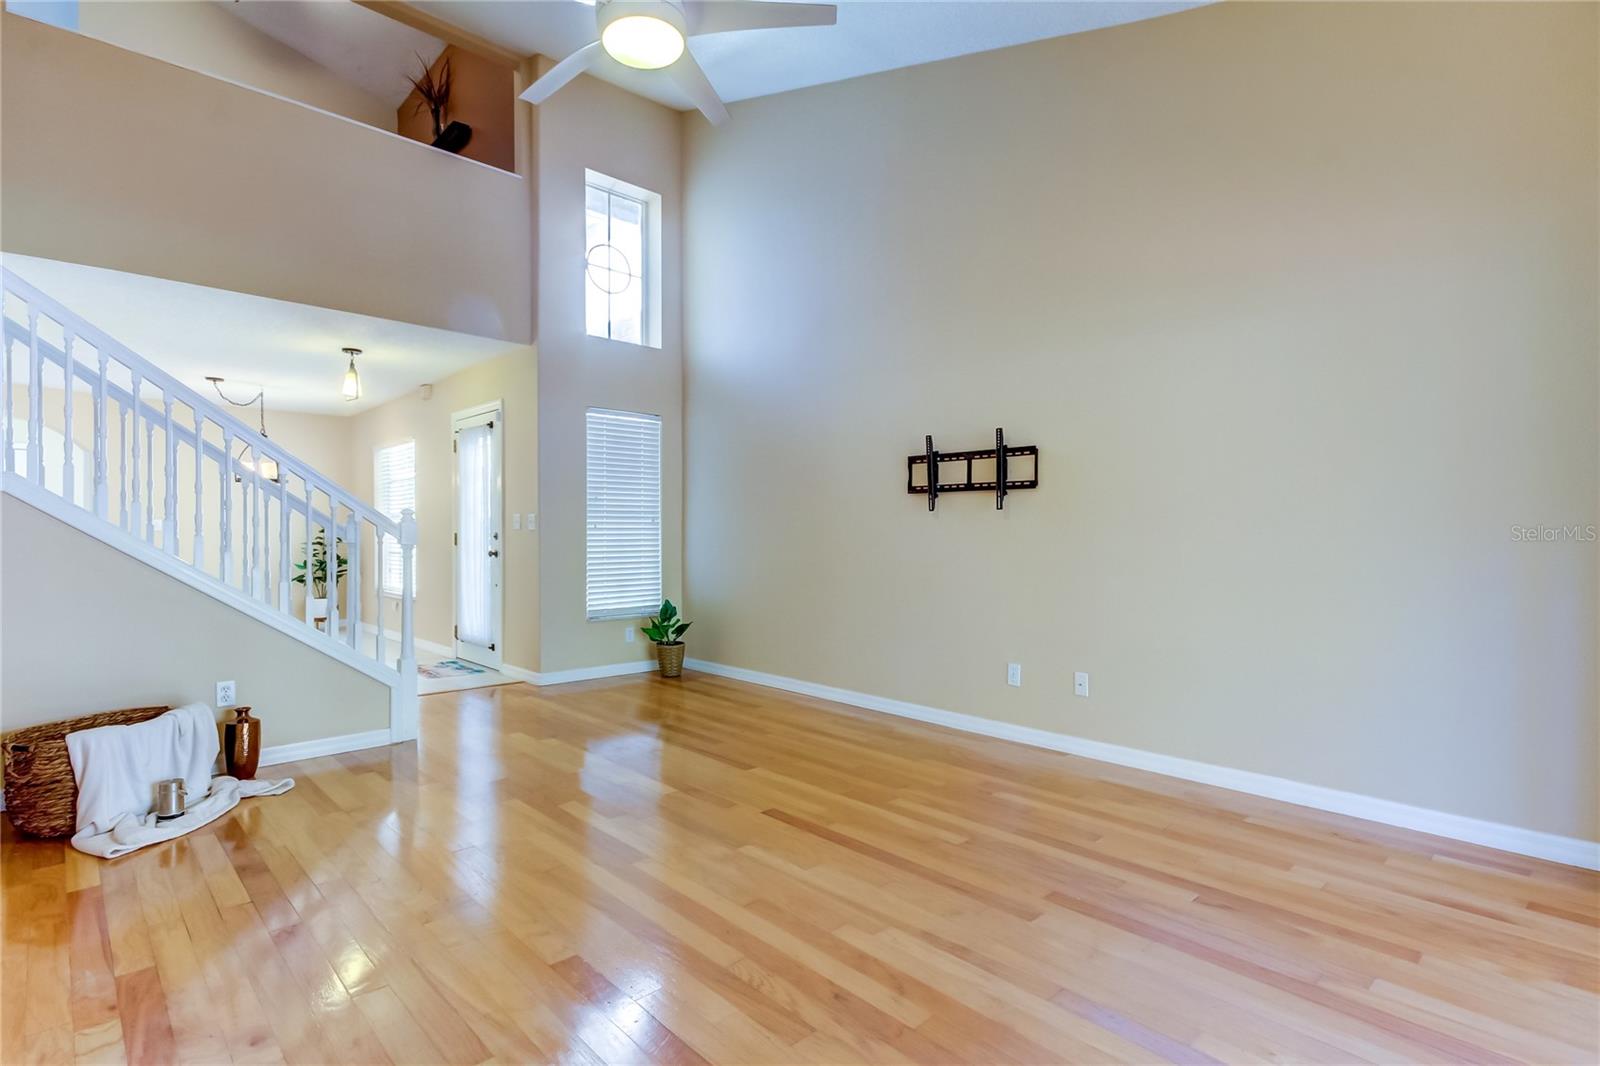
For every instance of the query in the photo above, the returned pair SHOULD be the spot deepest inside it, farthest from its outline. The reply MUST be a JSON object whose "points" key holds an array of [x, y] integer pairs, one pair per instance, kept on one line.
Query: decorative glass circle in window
{"points": [[609, 269]]}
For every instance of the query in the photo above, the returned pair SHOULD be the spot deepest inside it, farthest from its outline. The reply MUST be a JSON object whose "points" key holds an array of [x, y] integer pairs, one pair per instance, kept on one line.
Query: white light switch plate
{"points": [[516, 519], [1014, 675], [530, 521], [1080, 683]]}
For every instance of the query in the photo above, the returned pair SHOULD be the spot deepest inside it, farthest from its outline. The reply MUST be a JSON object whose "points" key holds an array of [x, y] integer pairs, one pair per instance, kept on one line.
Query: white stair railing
{"points": [[88, 420]]}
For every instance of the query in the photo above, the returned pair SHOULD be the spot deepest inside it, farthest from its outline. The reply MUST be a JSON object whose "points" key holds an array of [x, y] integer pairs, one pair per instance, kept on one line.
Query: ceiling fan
{"points": [[653, 34]]}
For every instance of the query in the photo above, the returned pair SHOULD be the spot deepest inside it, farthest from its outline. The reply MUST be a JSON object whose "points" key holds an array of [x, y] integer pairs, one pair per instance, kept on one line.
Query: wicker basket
{"points": [[41, 793]]}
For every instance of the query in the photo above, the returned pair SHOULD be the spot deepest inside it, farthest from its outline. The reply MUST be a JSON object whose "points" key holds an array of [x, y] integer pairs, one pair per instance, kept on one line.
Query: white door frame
{"points": [[493, 415]]}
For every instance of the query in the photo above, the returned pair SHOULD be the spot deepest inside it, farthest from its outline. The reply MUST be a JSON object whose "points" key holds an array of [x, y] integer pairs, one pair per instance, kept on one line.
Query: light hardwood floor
{"points": [[642, 871]]}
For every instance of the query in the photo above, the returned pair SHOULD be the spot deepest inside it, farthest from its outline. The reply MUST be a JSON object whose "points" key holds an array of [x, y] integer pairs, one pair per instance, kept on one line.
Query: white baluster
{"points": [[35, 400], [377, 566], [284, 566], [68, 481], [258, 527], [311, 618], [247, 506], [352, 583], [102, 500], [334, 537], [135, 516], [6, 385], [122, 466], [149, 481], [170, 497], [408, 541], [224, 466], [199, 489]]}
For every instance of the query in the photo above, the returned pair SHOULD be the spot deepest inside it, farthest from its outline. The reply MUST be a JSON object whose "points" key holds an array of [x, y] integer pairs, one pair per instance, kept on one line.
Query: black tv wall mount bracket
{"points": [[937, 480]]}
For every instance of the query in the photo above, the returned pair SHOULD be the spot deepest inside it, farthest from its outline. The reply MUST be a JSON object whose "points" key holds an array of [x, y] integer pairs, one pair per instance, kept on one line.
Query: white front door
{"points": [[476, 437]]}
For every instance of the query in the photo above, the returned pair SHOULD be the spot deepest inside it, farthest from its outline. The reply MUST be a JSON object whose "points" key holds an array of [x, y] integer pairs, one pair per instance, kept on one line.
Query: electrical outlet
{"points": [[627, 635], [1080, 683], [227, 694], [1014, 675], [516, 519]]}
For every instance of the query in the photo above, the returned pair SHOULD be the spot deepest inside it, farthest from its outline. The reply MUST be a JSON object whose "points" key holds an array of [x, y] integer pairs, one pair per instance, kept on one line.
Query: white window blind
{"points": [[623, 561], [395, 488]]}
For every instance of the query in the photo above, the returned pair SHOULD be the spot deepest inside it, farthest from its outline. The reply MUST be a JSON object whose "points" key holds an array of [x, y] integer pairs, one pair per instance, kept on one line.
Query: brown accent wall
{"points": [[481, 95]]}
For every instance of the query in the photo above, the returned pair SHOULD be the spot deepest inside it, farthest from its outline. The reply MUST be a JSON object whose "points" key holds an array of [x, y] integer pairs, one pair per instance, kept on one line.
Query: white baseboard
{"points": [[1531, 842], [582, 673], [315, 749], [418, 644]]}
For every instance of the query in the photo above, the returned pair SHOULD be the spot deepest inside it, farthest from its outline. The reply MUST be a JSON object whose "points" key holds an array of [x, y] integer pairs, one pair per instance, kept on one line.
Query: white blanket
{"points": [[117, 766]]}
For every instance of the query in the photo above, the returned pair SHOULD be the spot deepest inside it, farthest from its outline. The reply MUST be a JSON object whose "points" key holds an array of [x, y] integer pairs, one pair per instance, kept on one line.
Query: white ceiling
{"points": [[871, 36], [361, 46], [292, 350]]}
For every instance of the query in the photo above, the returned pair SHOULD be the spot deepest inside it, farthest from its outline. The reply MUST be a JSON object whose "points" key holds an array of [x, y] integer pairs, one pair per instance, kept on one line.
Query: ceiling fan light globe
{"points": [[643, 42]]}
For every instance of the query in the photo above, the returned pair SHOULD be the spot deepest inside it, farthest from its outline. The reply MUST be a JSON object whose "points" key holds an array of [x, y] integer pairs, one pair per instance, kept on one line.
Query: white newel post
{"points": [[403, 709]]}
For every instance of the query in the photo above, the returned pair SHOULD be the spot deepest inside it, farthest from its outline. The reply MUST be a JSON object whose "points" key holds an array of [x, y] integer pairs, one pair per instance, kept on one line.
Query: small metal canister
{"points": [[170, 799]]}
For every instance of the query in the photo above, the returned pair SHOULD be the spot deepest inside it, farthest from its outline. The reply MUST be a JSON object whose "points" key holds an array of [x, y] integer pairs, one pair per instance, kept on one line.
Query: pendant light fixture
{"points": [[268, 465], [351, 390]]}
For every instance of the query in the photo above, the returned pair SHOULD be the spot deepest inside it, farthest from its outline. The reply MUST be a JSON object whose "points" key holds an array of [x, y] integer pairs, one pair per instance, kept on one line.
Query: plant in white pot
{"points": [[319, 574], [667, 630]]}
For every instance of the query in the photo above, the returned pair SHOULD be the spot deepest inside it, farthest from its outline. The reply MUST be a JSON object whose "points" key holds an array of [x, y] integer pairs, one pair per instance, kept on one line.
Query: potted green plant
{"points": [[319, 574], [666, 630]]}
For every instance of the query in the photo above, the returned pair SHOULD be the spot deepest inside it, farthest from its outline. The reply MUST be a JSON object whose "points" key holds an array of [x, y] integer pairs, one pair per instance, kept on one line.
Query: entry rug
{"points": [[450, 668]]}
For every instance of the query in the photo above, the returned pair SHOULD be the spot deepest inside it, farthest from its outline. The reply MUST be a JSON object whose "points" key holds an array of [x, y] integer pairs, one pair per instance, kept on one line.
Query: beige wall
{"points": [[1299, 304], [117, 160], [590, 124], [204, 36], [513, 381], [84, 628]]}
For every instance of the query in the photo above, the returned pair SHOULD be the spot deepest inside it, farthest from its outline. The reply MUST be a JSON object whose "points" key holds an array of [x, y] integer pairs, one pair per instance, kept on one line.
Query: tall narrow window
{"points": [[394, 489], [621, 261], [623, 560]]}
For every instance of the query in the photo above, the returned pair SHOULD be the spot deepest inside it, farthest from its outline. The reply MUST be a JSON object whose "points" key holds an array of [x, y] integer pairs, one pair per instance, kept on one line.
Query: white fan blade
{"points": [[725, 16], [693, 81], [577, 63]]}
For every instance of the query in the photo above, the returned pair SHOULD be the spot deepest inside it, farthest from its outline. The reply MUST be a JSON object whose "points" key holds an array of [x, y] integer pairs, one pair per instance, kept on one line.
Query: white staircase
{"points": [[102, 439]]}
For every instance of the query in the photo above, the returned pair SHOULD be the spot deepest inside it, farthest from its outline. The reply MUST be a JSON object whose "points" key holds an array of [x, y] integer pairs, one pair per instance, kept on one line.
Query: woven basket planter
{"points": [[41, 793], [670, 658]]}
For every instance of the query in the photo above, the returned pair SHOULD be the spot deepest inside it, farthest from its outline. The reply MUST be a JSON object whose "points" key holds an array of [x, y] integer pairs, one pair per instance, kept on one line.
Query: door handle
{"points": [[494, 554]]}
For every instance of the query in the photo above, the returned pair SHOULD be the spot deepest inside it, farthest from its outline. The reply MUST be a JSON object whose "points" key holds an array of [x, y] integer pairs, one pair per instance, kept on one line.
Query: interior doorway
{"points": [[475, 440]]}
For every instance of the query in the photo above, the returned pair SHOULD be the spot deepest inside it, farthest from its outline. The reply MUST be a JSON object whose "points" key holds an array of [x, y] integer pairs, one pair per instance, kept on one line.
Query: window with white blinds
{"points": [[394, 482], [623, 560]]}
